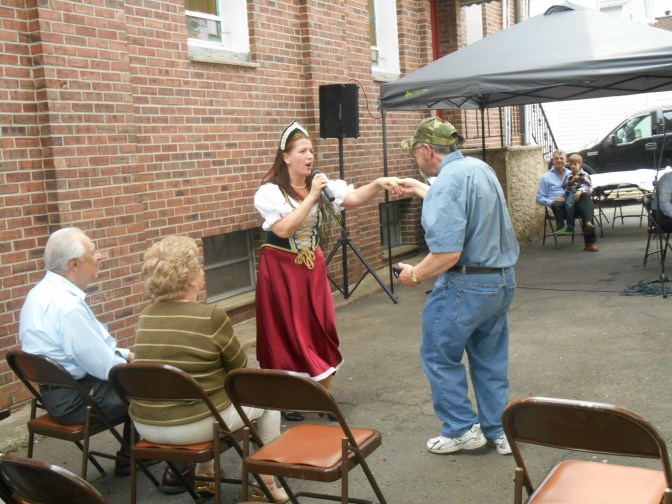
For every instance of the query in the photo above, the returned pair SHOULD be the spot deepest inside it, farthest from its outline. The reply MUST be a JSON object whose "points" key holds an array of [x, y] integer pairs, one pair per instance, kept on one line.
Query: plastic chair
{"points": [[653, 232], [161, 382], [587, 427], [41, 370], [312, 452], [28, 480]]}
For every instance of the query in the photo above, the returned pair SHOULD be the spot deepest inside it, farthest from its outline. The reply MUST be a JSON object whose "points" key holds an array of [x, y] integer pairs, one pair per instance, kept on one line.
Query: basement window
{"points": [[229, 264]]}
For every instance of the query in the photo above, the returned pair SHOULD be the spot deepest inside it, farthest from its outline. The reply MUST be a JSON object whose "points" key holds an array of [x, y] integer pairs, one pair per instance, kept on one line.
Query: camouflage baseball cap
{"points": [[433, 131]]}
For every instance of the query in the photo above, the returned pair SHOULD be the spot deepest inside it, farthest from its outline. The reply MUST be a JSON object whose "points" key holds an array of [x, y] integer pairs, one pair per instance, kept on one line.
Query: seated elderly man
{"points": [[663, 192], [551, 193], [56, 321]]}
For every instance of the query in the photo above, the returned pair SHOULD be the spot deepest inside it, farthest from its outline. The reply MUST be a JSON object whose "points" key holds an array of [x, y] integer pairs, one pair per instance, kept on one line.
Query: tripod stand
{"points": [[344, 242], [655, 213]]}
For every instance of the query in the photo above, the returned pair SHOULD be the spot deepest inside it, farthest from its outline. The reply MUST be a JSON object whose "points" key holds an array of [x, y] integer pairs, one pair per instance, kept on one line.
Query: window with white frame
{"points": [[229, 264], [474, 22], [218, 26], [384, 39]]}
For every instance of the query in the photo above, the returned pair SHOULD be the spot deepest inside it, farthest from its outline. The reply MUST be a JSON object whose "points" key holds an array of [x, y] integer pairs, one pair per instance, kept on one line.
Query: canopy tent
{"points": [[568, 53]]}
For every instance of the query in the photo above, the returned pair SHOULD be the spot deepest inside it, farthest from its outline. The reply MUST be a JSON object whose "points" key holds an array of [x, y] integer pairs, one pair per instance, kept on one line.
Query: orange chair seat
{"points": [[206, 445], [581, 482], [45, 421], [320, 445]]}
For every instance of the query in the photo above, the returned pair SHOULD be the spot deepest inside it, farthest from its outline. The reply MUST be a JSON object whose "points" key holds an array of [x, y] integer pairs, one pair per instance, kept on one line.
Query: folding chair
{"points": [[161, 382], [312, 452], [587, 427], [549, 223], [626, 194], [28, 480], [35, 370], [654, 233]]}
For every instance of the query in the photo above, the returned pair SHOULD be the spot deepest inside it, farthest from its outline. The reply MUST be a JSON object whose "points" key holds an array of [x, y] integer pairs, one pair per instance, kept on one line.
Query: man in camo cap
{"points": [[472, 250]]}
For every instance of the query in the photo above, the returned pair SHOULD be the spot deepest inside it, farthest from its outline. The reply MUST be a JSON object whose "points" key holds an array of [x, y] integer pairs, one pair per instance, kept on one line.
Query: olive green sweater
{"points": [[196, 338]]}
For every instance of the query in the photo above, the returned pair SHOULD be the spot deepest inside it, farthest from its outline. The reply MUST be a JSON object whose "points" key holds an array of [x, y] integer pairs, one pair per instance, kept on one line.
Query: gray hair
{"points": [[444, 150], [63, 245]]}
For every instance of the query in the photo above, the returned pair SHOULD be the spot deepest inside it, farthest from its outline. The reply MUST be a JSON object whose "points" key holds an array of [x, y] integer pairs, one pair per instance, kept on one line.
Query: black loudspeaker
{"points": [[339, 111]]}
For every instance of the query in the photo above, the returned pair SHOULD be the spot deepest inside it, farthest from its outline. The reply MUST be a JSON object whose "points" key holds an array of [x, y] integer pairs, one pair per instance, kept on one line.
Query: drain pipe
{"points": [[523, 108]]}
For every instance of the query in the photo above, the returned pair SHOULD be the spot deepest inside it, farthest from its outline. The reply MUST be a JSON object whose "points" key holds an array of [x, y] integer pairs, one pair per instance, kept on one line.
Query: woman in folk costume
{"points": [[296, 321]]}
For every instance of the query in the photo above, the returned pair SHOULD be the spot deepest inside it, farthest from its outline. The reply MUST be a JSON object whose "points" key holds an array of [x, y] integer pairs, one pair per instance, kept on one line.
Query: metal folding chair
{"points": [[25, 480], [313, 452], [587, 427], [34, 370], [161, 382]]}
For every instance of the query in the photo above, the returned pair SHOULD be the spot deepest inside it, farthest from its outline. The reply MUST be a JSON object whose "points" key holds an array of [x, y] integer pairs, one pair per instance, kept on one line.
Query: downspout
{"points": [[434, 22], [436, 39], [522, 108], [506, 110]]}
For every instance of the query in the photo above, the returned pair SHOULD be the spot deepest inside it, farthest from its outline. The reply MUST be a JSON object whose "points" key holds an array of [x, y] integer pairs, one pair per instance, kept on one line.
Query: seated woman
{"points": [[198, 339]]}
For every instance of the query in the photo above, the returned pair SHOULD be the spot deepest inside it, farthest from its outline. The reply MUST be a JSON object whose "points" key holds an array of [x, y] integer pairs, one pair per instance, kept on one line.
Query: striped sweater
{"points": [[196, 338]]}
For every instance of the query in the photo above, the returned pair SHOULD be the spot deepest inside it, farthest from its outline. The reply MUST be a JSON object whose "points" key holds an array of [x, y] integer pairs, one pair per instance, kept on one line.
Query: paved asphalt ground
{"points": [[572, 336]]}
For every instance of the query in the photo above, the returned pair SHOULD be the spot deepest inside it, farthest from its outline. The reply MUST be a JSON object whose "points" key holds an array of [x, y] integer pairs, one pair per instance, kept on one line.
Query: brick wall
{"points": [[664, 23], [109, 126]]}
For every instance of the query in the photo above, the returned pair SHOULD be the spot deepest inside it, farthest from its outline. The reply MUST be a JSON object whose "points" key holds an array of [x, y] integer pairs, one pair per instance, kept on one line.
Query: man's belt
{"points": [[472, 270]]}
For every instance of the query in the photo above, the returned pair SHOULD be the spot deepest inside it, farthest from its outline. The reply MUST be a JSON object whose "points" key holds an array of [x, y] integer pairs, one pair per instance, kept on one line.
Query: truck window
{"points": [[637, 127]]}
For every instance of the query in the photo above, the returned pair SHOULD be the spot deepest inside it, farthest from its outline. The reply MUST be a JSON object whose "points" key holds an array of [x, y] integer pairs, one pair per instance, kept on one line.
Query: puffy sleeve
{"points": [[271, 204], [340, 189]]}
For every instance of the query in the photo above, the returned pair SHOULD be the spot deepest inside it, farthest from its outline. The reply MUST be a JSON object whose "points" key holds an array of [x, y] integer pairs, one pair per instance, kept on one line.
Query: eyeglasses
{"points": [[412, 150]]}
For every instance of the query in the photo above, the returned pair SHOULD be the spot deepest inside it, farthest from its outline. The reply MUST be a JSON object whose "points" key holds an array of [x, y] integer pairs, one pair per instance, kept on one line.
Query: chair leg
{"points": [[518, 486], [244, 476], [344, 471], [217, 463], [646, 252], [85, 448], [134, 480]]}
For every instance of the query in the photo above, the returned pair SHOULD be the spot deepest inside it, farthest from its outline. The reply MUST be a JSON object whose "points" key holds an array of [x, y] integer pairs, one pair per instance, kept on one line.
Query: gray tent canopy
{"points": [[568, 53]]}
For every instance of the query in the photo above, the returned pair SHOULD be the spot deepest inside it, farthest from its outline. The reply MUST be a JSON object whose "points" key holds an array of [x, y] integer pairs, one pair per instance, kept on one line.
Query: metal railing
{"points": [[539, 130]]}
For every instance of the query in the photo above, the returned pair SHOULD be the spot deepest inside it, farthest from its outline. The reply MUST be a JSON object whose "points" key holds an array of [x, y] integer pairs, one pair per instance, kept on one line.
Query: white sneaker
{"points": [[470, 440], [501, 444]]}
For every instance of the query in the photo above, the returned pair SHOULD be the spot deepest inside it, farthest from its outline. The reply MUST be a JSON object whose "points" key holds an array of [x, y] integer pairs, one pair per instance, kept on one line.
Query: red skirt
{"points": [[296, 321]]}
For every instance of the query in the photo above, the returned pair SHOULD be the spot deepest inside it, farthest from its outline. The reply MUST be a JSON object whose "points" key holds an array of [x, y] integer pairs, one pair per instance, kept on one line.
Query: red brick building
{"points": [[138, 119]]}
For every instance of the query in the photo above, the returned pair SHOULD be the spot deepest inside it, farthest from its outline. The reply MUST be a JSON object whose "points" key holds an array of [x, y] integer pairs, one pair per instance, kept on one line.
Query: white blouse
{"points": [[272, 204]]}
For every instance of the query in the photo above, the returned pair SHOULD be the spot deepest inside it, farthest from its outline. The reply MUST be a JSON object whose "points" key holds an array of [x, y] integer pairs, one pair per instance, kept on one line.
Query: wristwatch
{"points": [[414, 278]]}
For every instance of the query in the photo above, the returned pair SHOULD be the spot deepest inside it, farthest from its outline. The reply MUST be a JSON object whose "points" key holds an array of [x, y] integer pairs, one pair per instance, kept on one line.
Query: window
{"points": [[384, 39], [394, 227], [637, 127], [229, 264], [218, 26], [474, 22]]}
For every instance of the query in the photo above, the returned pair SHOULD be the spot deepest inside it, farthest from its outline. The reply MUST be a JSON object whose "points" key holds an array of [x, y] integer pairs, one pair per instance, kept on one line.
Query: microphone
{"points": [[326, 192]]}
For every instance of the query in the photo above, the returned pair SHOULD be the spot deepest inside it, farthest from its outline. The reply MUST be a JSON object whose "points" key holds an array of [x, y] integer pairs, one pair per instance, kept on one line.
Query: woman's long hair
{"points": [[279, 174]]}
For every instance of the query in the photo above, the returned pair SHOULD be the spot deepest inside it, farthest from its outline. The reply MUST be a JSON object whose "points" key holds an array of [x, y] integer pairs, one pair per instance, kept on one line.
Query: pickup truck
{"points": [[635, 143]]}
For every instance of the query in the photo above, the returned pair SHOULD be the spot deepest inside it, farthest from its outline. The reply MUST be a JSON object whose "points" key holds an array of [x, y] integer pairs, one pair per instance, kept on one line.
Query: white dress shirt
{"points": [[56, 321]]}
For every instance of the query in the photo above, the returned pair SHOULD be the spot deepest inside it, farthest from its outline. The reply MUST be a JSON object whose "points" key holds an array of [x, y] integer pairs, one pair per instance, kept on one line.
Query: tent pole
{"points": [[387, 201], [483, 132]]}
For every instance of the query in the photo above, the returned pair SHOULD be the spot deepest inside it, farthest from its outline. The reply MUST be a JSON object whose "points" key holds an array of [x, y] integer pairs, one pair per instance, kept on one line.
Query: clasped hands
{"points": [[398, 186]]}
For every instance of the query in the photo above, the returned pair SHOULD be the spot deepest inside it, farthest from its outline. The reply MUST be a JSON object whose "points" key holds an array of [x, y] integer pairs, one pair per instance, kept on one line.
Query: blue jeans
{"points": [[468, 312]]}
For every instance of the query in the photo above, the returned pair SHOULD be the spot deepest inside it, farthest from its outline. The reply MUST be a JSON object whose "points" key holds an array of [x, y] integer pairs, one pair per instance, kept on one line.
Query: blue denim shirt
{"points": [[465, 211]]}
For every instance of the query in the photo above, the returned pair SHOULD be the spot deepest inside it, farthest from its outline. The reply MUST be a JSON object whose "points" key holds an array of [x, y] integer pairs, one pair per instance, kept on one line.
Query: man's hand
{"points": [[405, 275], [559, 199], [131, 357]]}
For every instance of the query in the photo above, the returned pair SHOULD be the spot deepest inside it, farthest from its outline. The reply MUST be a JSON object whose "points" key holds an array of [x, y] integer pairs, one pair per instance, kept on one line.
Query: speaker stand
{"points": [[345, 242]]}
